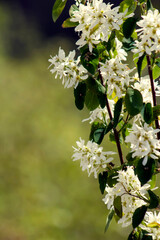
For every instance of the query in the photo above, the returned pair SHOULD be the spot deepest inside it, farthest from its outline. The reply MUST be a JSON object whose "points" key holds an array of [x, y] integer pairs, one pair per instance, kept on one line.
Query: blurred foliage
{"points": [[43, 194]]}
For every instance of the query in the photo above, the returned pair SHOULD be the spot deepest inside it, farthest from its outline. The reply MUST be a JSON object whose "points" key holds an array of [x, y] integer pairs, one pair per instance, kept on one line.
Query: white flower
{"points": [[67, 68], [116, 75], [152, 224], [144, 142], [144, 86], [91, 156], [149, 33], [129, 188], [101, 113], [96, 20]]}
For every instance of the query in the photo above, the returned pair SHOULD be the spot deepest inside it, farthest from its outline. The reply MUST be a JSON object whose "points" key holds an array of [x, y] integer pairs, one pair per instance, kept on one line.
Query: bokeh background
{"points": [[43, 194]]}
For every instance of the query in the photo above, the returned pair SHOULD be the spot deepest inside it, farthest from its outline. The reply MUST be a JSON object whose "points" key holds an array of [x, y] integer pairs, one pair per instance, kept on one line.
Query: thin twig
{"points": [[116, 135], [153, 91]]}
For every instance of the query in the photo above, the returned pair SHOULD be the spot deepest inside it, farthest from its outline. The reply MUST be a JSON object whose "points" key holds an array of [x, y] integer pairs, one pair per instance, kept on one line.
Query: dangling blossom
{"points": [[132, 194], [67, 68], [149, 34], [144, 86], [144, 142], [96, 20], [116, 75], [151, 224], [101, 113], [91, 156]]}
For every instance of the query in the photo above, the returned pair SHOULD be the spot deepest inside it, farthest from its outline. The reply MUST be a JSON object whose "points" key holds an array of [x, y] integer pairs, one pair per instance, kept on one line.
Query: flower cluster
{"points": [[144, 142], [67, 68], [116, 75], [132, 194], [96, 20], [151, 224], [149, 33], [92, 157], [144, 86]]}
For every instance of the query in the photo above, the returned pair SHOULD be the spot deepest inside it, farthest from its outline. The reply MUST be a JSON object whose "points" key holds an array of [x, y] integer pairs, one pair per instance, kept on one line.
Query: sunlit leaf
{"points": [[58, 8]]}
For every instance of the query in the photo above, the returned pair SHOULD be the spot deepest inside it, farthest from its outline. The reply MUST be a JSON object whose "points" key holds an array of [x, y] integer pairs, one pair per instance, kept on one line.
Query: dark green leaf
{"points": [[154, 200], [145, 173], [133, 101], [111, 41], [117, 112], [158, 62], [138, 216], [57, 9], [139, 64], [68, 24], [156, 111], [94, 127], [102, 178], [98, 135], [112, 180], [90, 60], [128, 44], [134, 235], [147, 113], [79, 94], [128, 27], [91, 99], [109, 219], [149, 5], [118, 206], [108, 128]]}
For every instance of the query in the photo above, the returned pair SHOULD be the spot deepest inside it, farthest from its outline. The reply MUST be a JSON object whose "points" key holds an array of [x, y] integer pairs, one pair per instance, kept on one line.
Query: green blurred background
{"points": [[43, 194]]}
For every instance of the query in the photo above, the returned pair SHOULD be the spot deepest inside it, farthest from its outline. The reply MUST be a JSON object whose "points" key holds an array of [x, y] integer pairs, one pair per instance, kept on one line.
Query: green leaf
{"points": [[91, 99], [158, 62], [112, 180], [139, 64], [90, 60], [111, 41], [156, 72], [94, 127], [102, 178], [149, 5], [117, 112], [156, 111], [138, 216], [129, 26], [58, 8], [118, 206], [68, 24], [147, 113], [109, 219], [145, 173], [133, 101], [128, 4], [154, 200], [108, 128], [128, 44], [79, 94], [98, 135]]}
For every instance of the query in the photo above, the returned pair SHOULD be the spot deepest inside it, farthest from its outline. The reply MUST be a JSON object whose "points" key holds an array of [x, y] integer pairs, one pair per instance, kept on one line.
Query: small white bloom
{"points": [[152, 224], [129, 188], [116, 75], [91, 156], [67, 68], [144, 142], [149, 33]]}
